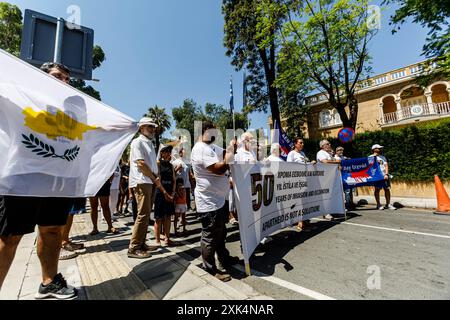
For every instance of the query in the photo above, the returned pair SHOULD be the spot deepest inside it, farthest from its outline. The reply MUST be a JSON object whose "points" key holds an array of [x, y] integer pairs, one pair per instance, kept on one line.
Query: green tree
{"points": [[162, 119], [433, 15], [325, 43], [253, 46], [222, 118], [186, 115], [10, 28]]}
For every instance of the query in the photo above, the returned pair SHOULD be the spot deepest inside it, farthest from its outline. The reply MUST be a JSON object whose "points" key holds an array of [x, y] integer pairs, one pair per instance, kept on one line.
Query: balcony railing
{"points": [[422, 110]]}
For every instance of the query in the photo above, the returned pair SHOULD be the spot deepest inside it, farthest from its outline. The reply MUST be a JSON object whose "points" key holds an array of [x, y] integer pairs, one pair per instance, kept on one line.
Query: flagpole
{"points": [[232, 106]]}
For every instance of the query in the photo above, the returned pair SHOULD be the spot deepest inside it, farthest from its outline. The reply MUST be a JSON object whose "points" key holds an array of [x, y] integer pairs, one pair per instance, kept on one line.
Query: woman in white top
{"points": [[298, 156], [325, 155]]}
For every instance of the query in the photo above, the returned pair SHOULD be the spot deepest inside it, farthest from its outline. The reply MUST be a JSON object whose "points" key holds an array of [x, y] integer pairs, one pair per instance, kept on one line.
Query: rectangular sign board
{"points": [[42, 42]]}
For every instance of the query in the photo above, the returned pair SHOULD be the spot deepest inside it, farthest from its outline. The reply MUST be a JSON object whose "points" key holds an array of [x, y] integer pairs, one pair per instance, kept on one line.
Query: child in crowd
{"points": [[180, 206]]}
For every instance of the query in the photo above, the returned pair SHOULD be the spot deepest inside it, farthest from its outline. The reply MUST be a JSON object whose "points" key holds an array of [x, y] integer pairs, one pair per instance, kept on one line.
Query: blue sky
{"points": [[160, 52]]}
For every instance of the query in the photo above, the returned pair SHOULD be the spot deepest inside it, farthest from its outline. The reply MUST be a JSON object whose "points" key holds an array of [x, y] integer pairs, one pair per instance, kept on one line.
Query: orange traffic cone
{"points": [[442, 198]]}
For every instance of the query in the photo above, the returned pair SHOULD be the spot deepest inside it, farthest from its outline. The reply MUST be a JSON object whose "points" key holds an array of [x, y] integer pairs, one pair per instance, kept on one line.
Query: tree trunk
{"points": [[353, 112], [273, 93], [345, 120], [158, 143]]}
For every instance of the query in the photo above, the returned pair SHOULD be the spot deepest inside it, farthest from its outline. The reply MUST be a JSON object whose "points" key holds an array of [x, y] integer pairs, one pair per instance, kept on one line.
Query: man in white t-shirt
{"points": [[275, 151], [210, 164], [325, 155], [386, 184], [245, 154], [144, 179]]}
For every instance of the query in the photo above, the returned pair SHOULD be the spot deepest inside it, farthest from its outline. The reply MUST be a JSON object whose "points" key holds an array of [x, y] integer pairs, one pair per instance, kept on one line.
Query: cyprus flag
{"points": [[55, 140]]}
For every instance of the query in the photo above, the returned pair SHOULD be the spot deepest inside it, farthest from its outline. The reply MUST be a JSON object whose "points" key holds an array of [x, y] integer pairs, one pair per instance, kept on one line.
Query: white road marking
{"points": [[391, 229], [282, 283], [288, 285]]}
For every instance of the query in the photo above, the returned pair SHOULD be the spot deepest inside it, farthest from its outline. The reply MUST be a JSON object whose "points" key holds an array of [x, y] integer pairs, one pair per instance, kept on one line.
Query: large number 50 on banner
{"points": [[276, 195]]}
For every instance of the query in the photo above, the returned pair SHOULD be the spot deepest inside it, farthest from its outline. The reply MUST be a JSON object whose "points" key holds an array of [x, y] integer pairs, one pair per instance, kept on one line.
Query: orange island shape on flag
{"points": [[55, 125]]}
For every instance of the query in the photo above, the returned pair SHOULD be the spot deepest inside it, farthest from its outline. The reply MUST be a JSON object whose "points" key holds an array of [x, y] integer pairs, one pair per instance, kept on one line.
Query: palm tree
{"points": [[162, 119]]}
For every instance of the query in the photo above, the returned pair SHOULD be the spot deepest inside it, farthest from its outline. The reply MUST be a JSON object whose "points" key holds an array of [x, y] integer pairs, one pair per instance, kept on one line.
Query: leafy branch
{"points": [[47, 151]]}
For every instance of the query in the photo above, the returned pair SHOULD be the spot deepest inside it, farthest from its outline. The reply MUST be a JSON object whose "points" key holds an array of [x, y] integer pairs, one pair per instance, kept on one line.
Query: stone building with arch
{"points": [[391, 99]]}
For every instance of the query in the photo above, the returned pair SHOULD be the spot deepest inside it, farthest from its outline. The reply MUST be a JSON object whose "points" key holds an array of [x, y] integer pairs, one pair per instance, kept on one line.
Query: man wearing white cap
{"points": [[386, 184], [144, 179]]}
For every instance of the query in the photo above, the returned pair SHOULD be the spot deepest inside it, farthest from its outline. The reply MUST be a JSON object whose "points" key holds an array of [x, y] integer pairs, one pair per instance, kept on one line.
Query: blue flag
{"points": [[284, 141], [361, 172]]}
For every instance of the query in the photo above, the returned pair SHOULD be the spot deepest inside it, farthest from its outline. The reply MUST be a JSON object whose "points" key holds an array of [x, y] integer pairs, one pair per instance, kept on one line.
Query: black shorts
{"points": [[105, 191], [20, 215]]}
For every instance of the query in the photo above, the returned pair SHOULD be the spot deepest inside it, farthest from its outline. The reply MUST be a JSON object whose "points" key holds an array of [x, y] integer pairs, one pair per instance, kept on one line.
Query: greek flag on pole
{"points": [[284, 141], [231, 97], [55, 141]]}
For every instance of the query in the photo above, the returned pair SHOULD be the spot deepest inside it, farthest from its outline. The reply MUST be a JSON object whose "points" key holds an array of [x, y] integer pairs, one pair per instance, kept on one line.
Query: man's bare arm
{"points": [[221, 167], [332, 161], [147, 172]]}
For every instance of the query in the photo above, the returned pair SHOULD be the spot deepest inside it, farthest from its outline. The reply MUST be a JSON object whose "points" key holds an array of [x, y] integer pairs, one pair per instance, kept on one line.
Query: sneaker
{"points": [[266, 240], [391, 207], [329, 217], [138, 254], [231, 261], [381, 208], [67, 255], [58, 289], [146, 247]]}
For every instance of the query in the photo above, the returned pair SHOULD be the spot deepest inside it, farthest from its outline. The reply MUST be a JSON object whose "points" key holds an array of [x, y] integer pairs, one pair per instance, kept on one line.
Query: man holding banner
{"points": [[210, 166], [386, 183]]}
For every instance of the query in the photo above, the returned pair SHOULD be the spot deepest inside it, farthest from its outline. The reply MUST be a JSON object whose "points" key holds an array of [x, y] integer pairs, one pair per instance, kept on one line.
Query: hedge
{"points": [[415, 153]]}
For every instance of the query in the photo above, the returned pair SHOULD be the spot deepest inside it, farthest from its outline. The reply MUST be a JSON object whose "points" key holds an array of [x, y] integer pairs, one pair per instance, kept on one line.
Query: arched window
{"points": [[329, 118], [336, 117]]}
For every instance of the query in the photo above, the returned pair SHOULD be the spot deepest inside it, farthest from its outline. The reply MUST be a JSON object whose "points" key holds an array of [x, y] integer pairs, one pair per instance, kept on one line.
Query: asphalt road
{"points": [[402, 254]]}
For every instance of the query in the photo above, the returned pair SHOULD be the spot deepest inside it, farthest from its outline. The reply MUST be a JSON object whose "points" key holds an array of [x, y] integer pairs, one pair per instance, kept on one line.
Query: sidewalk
{"points": [[422, 203], [104, 272]]}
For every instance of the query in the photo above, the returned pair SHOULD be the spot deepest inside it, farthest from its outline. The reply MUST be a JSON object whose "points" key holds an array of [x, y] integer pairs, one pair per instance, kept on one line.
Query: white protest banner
{"points": [[55, 141], [273, 196]]}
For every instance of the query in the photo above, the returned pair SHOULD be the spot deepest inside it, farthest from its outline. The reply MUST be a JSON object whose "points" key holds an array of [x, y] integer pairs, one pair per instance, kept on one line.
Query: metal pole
{"points": [[59, 40]]}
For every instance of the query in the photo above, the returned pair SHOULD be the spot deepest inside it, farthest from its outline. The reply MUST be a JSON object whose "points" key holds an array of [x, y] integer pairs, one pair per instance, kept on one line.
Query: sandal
{"points": [[94, 233], [67, 255], [171, 244], [112, 231], [73, 246]]}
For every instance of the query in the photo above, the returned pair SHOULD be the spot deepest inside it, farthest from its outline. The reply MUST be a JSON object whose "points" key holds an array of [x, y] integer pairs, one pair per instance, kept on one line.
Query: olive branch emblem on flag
{"points": [[47, 151]]}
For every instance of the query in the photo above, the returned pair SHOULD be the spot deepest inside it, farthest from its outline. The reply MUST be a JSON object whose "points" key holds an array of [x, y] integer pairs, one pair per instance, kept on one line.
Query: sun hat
{"points": [[146, 121]]}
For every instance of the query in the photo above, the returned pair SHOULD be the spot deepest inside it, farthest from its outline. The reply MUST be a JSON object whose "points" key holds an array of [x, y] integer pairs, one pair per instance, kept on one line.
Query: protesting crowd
{"points": [[163, 182]]}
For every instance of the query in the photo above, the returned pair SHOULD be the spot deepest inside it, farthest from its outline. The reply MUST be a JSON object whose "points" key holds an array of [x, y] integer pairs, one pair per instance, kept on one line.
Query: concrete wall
{"points": [[409, 190]]}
